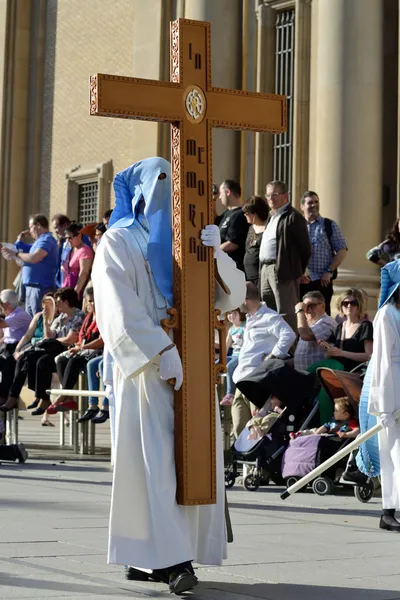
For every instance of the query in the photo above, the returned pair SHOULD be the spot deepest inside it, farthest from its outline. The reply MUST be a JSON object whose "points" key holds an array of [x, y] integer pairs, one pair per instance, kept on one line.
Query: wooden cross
{"points": [[193, 107]]}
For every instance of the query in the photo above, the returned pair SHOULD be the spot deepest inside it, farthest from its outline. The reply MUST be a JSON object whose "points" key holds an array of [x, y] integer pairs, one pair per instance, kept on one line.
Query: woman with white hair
{"points": [[14, 325]]}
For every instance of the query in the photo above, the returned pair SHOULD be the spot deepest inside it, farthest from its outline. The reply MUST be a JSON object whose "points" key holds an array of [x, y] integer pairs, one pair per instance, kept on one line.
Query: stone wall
{"points": [[84, 38]]}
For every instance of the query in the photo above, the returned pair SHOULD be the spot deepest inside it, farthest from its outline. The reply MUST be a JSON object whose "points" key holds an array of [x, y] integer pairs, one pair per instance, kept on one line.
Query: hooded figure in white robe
{"points": [[132, 279], [384, 394]]}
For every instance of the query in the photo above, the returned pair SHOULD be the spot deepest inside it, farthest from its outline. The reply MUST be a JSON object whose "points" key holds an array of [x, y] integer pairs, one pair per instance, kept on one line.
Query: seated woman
{"points": [[349, 346], [38, 363], [35, 331], [78, 263], [70, 363]]}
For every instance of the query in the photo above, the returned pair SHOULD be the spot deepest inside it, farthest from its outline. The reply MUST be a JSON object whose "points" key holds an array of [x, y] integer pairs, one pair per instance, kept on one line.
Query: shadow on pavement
{"points": [[283, 591], [305, 509]]}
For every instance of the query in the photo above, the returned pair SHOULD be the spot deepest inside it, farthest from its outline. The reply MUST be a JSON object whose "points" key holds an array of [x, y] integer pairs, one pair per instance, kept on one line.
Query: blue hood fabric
{"points": [[138, 181], [390, 281]]}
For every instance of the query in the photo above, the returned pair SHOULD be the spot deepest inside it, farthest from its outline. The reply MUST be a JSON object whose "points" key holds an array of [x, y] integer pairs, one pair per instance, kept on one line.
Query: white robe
{"points": [[384, 397], [148, 529]]}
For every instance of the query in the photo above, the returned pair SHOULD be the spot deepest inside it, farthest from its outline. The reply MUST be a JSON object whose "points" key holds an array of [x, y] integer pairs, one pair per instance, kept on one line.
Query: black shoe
{"points": [[389, 523], [34, 404], [101, 416], [38, 411], [88, 415], [158, 575], [182, 580], [22, 454], [133, 574]]}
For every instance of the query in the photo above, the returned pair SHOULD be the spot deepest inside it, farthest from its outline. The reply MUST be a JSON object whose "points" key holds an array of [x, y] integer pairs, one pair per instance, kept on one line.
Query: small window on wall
{"points": [[284, 84], [88, 200]]}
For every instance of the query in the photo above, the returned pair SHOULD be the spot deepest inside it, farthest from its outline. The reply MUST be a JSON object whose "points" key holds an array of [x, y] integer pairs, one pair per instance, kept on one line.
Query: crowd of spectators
{"points": [[48, 322], [290, 259]]}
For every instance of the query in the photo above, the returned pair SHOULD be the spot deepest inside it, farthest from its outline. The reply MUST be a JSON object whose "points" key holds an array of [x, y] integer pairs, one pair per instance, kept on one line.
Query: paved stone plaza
{"points": [[54, 535]]}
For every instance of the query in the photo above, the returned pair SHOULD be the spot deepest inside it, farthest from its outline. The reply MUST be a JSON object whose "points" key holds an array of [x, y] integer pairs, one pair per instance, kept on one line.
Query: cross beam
{"points": [[193, 107]]}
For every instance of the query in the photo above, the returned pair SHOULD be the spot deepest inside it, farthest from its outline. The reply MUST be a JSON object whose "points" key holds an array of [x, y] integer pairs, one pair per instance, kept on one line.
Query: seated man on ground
{"points": [[313, 325], [14, 325], [266, 336]]}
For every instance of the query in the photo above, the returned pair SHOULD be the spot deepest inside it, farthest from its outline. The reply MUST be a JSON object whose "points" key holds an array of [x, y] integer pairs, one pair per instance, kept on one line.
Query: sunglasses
{"points": [[312, 305], [347, 303]]}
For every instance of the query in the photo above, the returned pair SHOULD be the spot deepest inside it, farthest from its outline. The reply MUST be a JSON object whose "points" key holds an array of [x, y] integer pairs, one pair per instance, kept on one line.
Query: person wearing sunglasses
{"points": [[78, 264], [351, 345], [313, 324]]}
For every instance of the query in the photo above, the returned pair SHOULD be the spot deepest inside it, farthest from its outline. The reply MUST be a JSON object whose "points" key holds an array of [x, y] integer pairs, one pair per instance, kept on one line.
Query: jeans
{"points": [[33, 298], [94, 365], [232, 363]]}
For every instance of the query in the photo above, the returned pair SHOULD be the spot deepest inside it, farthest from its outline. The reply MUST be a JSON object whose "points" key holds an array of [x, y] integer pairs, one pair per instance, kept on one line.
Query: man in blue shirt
{"points": [[329, 249], [40, 262], [60, 223]]}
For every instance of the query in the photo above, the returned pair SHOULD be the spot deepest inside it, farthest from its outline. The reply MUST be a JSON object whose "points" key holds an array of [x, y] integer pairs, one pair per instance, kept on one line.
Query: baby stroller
{"points": [[297, 390], [306, 453]]}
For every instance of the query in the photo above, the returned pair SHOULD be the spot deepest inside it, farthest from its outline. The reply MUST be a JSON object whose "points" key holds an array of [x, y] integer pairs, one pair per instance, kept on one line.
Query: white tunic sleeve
{"points": [[235, 282], [107, 367], [129, 334], [382, 391]]}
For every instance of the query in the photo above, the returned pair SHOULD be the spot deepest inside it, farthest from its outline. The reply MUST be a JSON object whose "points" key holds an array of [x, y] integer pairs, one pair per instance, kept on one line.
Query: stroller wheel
{"points": [[364, 492], [291, 481], [322, 486], [251, 482], [229, 480]]}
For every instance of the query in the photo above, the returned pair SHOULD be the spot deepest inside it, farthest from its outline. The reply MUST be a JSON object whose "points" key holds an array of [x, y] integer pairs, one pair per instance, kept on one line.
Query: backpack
{"points": [[329, 232]]}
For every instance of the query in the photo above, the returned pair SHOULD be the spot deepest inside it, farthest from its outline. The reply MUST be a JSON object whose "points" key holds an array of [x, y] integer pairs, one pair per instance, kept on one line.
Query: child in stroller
{"points": [[303, 454], [343, 424], [291, 399]]}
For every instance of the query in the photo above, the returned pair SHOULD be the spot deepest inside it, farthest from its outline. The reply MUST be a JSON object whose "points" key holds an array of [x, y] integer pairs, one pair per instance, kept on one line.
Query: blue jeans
{"points": [[232, 363], [33, 298], [94, 365]]}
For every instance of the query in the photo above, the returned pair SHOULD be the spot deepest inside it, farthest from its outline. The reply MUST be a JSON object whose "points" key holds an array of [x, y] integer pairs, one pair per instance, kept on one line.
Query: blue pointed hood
{"points": [[390, 281], [138, 181]]}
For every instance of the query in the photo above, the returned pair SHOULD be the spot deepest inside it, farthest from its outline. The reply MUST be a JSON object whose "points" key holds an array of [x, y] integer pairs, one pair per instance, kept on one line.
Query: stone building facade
{"points": [[335, 60]]}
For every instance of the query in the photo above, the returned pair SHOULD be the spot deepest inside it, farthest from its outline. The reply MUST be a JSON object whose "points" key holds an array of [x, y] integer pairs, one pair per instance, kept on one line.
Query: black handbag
{"points": [[51, 346]]}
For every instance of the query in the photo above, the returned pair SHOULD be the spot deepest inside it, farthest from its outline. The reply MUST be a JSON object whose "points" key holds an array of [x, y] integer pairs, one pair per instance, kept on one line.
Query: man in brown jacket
{"points": [[284, 253]]}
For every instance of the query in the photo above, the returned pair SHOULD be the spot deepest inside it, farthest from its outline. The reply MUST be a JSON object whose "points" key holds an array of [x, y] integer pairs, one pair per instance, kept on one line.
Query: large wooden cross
{"points": [[193, 107]]}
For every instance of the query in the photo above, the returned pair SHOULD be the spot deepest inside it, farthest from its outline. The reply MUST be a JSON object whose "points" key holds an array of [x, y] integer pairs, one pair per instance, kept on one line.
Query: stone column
{"points": [[16, 17], [225, 17], [264, 142], [346, 127], [301, 99]]}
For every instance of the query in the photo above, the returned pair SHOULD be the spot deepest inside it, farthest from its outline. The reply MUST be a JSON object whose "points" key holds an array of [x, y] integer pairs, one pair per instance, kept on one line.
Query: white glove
{"points": [[109, 393], [387, 420], [210, 236], [171, 367]]}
